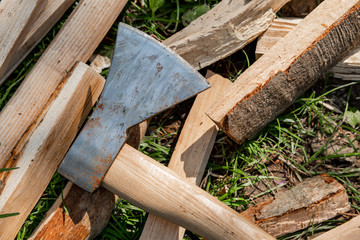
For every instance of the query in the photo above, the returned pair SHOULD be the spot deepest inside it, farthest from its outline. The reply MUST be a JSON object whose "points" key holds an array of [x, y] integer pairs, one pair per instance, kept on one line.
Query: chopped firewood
{"points": [[315, 200], [43, 21], [292, 66], [223, 30], [15, 16], [39, 152], [85, 218], [347, 69]]}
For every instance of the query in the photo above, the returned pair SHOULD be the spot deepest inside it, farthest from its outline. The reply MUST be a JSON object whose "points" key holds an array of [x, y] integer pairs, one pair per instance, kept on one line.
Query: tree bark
{"points": [[294, 64]]}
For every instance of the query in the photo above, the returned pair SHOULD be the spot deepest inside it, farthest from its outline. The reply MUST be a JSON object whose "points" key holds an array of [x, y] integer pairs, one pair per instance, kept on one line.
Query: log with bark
{"points": [[315, 200], [191, 154], [293, 65], [347, 69]]}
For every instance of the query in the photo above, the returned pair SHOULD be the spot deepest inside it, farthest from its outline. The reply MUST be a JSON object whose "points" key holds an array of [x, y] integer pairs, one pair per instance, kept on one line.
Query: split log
{"points": [[349, 231], [191, 154], [76, 41], [347, 69], [293, 65], [15, 18], [89, 213], [315, 200], [41, 150], [49, 15], [223, 30]]}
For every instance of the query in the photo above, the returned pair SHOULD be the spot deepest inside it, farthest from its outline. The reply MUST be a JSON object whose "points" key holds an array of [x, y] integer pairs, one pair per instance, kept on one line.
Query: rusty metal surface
{"points": [[145, 78]]}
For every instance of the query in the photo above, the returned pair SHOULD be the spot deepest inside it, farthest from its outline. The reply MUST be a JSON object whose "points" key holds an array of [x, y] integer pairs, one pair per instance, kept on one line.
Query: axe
{"points": [[146, 78]]}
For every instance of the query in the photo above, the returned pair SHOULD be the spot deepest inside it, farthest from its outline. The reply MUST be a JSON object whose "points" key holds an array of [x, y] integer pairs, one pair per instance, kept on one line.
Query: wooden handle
{"points": [[191, 154], [157, 189]]}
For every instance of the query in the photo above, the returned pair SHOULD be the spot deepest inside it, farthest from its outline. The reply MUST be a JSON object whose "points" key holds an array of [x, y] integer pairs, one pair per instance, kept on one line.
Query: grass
{"points": [[291, 148]]}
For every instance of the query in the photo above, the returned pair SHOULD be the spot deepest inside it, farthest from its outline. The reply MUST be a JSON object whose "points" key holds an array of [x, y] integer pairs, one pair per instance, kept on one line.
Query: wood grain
{"points": [[158, 190], [223, 30], [191, 154], [51, 12], [349, 231], [43, 149], [346, 69], [89, 213], [76, 41], [315, 200], [15, 18], [294, 64]]}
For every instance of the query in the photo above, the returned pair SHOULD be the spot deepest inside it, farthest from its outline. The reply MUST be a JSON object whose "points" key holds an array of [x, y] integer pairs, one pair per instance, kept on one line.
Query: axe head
{"points": [[145, 78]]}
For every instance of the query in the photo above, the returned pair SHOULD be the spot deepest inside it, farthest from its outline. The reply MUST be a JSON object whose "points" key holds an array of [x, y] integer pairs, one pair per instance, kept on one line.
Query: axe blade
{"points": [[145, 78]]}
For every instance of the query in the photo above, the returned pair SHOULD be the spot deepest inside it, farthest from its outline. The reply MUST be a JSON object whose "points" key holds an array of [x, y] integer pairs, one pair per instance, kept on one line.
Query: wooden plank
{"points": [[15, 18], [191, 154], [89, 214], [158, 190], [294, 64], [44, 148], [76, 41], [223, 30], [346, 69], [96, 207], [49, 15], [349, 231], [315, 200]]}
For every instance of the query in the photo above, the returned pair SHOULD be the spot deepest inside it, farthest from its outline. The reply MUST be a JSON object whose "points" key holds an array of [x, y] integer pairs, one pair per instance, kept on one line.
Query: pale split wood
{"points": [[34, 32], [15, 17], [47, 144], [76, 41], [223, 30], [88, 215], [191, 154], [349, 231], [278, 29], [346, 69], [158, 190], [315, 200], [294, 64]]}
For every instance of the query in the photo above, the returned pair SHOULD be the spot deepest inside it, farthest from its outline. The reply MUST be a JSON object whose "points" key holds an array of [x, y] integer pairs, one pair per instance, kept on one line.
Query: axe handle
{"points": [[140, 180]]}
